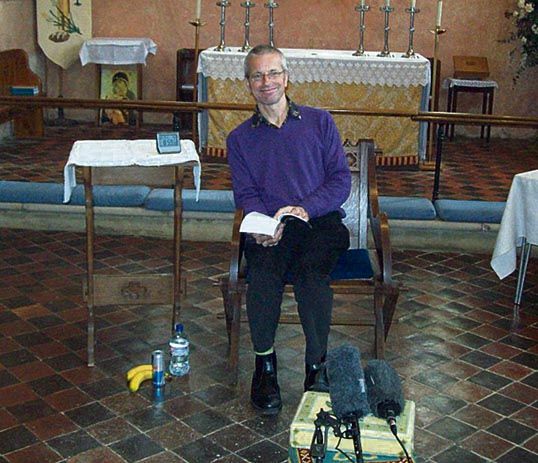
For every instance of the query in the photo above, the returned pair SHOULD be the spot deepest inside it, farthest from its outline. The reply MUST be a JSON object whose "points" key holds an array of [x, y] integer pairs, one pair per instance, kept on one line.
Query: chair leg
{"points": [[389, 307], [228, 314], [233, 358], [379, 338]]}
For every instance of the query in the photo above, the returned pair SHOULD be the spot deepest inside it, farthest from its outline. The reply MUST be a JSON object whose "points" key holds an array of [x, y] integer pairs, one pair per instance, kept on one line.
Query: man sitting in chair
{"points": [[288, 158]]}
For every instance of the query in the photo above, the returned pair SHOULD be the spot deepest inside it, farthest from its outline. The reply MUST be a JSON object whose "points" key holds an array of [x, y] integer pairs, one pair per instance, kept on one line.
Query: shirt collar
{"points": [[293, 112]]}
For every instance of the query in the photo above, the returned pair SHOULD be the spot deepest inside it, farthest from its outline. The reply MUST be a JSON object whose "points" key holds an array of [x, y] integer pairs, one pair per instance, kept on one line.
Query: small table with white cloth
{"points": [[116, 51], [130, 162], [519, 228], [456, 86], [328, 78]]}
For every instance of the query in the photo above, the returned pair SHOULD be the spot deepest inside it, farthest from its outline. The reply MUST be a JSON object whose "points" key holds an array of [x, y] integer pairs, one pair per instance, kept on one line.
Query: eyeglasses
{"points": [[271, 75]]}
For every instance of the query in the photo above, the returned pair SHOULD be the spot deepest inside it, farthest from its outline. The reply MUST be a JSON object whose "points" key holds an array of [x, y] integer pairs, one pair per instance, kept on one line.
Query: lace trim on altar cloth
{"points": [[334, 66]]}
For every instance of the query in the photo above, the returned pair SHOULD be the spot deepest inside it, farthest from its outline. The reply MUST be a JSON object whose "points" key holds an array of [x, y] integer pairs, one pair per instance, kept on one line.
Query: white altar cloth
{"points": [[520, 220], [336, 66], [116, 153], [116, 51]]}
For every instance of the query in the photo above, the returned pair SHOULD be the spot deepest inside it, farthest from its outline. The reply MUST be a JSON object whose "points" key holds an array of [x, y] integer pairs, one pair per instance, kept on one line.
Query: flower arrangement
{"points": [[525, 18]]}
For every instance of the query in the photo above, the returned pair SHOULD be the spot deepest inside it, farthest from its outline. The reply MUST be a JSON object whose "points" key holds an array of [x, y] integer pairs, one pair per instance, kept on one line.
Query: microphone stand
{"points": [[318, 446], [353, 431]]}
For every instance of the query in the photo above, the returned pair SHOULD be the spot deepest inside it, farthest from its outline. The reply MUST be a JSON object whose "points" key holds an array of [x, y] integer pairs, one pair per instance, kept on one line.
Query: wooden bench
{"points": [[14, 70]]}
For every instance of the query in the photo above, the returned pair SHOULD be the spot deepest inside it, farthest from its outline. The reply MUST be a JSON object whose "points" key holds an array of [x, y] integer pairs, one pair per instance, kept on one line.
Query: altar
{"points": [[327, 78]]}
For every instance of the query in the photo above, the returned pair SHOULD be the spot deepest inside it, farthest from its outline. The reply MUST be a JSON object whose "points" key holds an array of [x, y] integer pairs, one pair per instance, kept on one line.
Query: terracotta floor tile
{"points": [[83, 375], [7, 420], [31, 371], [35, 453], [51, 426], [486, 444], [521, 392], [477, 416], [68, 399], [511, 370], [501, 350], [16, 394], [97, 455], [50, 349]]}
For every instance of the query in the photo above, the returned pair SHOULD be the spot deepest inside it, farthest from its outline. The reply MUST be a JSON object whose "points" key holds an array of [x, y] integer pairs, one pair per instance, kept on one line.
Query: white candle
{"points": [[198, 9], [413, 3], [387, 2], [363, 2], [439, 12]]}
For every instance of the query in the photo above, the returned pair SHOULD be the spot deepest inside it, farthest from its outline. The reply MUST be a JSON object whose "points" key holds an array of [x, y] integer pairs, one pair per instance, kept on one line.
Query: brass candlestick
{"points": [[387, 10], [362, 9], [247, 5], [412, 12], [223, 5], [271, 5]]}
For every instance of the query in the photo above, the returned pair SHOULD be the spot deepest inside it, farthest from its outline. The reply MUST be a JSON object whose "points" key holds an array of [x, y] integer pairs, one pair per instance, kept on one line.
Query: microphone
{"points": [[346, 383], [385, 395], [347, 392]]}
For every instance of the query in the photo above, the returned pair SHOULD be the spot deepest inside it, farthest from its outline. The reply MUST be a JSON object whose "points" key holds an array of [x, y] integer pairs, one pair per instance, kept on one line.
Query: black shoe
{"points": [[316, 378], [265, 393]]}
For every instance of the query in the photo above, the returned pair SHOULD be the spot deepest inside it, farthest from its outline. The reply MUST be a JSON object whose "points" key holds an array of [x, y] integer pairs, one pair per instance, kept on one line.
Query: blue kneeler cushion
{"points": [[12, 191], [407, 208], [454, 210], [162, 199]]}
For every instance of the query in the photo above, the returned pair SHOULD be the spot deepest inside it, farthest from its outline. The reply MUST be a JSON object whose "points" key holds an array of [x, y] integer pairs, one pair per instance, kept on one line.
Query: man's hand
{"points": [[295, 210], [268, 240]]}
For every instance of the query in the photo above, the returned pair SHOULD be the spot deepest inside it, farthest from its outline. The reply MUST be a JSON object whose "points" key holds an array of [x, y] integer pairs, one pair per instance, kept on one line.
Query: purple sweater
{"points": [[301, 163]]}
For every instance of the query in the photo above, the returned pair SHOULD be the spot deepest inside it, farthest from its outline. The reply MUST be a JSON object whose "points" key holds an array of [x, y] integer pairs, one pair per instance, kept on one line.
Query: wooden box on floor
{"points": [[378, 444]]}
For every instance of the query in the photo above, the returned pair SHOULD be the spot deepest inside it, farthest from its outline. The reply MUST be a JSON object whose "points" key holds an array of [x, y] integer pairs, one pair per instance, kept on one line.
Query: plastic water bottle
{"points": [[179, 353]]}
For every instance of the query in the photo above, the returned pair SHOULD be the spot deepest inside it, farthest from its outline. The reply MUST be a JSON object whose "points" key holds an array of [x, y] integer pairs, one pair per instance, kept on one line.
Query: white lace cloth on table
{"points": [[520, 220], [116, 51], [116, 153], [336, 66], [451, 82]]}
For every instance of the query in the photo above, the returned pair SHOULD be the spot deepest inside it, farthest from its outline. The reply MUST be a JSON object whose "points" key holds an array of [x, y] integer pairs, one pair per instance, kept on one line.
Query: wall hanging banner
{"points": [[62, 27]]}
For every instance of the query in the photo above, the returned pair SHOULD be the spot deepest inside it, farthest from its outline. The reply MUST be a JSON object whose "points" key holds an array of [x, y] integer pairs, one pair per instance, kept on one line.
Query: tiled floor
{"points": [[475, 385]]}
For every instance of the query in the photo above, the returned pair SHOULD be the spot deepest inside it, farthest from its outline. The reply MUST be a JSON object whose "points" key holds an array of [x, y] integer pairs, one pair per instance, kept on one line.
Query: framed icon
{"points": [[118, 83]]}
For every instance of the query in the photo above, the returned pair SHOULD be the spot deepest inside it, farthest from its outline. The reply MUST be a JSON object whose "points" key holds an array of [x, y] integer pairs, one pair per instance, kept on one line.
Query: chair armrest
{"points": [[380, 232], [236, 250]]}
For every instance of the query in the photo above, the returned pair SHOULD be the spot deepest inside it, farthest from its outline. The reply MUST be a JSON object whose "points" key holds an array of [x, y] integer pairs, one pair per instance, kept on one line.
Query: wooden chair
{"points": [[359, 271], [15, 70]]}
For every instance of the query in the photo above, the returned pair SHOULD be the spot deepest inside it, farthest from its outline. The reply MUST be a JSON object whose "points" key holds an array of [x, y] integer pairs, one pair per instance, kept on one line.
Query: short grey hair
{"points": [[263, 50]]}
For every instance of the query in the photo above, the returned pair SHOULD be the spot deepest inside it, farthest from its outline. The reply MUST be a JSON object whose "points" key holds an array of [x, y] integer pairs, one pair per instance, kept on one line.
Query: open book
{"points": [[256, 222]]}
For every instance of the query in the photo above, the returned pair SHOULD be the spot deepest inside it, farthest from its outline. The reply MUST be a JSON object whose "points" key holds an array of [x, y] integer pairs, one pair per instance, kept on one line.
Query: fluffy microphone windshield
{"points": [[384, 387], [346, 383]]}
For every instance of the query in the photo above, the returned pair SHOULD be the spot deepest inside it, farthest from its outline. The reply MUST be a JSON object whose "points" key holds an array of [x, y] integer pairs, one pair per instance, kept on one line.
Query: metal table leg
{"points": [[524, 260]]}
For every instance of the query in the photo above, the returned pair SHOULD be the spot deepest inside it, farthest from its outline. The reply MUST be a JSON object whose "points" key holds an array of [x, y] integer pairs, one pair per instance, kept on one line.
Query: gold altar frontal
{"points": [[378, 444], [400, 87], [397, 136]]}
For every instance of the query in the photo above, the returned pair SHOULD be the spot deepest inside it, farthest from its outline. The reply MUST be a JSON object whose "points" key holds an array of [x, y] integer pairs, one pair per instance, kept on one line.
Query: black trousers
{"points": [[304, 257]]}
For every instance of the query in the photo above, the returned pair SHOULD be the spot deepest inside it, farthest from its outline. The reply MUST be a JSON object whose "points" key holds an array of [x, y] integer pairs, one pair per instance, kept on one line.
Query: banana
{"points": [[139, 378], [133, 371]]}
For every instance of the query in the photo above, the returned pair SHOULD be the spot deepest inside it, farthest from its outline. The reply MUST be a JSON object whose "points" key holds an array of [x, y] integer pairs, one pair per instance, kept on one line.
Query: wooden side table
{"points": [[484, 87], [129, 162]]}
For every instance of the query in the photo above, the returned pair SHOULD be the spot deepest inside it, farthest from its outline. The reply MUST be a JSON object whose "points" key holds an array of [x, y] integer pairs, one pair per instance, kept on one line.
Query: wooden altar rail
{"points": [[176, 106], [436, 118]]}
